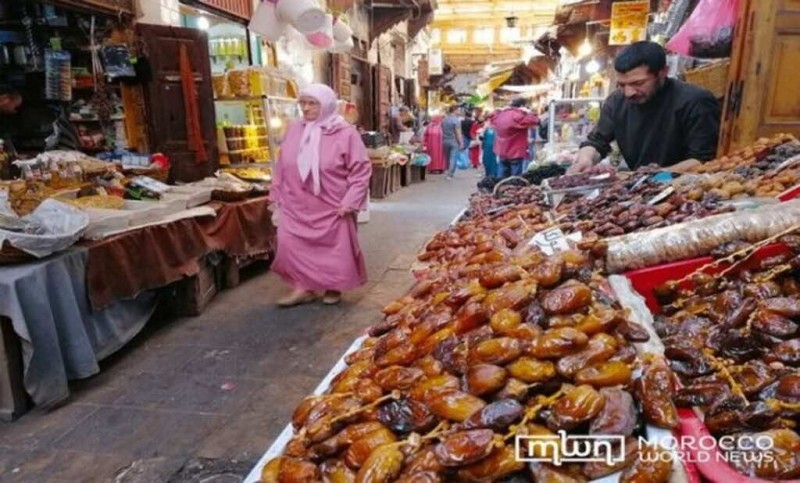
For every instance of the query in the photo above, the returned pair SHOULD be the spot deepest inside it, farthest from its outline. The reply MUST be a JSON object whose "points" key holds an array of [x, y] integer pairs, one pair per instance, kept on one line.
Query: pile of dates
{"points": [[488, 204], [628, 207], [580, 180], [468, 361], [734, 343], [751, 155]]}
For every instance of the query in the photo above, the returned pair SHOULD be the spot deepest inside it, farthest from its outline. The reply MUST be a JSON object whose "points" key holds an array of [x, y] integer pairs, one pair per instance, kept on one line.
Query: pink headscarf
{"points": [[329, 118]]}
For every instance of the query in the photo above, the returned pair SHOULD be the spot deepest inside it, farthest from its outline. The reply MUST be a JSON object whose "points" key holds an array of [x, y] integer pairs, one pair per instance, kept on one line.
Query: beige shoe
{"points": [[332, 297], [297, 297]]}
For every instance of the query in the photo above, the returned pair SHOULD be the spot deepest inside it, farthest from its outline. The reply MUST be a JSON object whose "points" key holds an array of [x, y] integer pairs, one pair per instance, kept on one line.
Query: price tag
{"points": [[550, 241], [661, 196]]}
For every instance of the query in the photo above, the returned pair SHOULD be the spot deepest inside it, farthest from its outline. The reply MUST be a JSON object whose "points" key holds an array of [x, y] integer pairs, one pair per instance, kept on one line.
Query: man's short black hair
{"points": [[519, 102], [641, 53], [6, 90]]}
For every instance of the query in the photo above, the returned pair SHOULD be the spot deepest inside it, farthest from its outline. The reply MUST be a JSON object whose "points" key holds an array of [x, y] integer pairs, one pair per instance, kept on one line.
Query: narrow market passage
{"points": [[223, 385]]}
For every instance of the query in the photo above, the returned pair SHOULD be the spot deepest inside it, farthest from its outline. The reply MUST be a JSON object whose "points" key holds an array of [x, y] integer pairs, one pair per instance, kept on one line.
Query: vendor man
{"points": [[654, 119]]}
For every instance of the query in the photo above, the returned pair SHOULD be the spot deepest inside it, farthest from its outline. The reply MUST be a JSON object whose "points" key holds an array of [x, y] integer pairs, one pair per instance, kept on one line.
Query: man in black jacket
{"points": [[654, 119]]}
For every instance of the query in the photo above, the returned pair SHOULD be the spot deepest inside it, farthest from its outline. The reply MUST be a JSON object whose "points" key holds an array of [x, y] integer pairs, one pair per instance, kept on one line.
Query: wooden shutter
{"points": [[341, 64]]}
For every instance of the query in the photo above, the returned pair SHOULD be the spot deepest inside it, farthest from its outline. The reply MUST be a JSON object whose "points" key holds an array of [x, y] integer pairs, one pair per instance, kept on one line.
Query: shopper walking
{"points": [[432, 143], [320, 183], [452, 139], [487, 143], [475, 143], [511, 144]]}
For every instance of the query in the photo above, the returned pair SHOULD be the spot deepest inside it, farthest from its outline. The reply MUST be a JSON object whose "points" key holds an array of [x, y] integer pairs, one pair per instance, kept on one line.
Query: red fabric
{"points": [[475, 151], [432, 140], [511, 127], [121, 267], [193, 131]]}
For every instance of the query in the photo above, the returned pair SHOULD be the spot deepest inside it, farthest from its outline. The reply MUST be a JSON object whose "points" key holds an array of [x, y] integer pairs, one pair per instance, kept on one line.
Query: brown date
{"points": [[422, 461], [335, 471], [429, 365], [347, 379], [433, 385], [652, 466], [548, 274], [362, 448], [285, 469], [775, 324], [603, 320], [546, 473], [398, 377], [498, 277], [452, 353], [578, 406], [531, 370], [382, 466], [514, 389], [501, 350], [560, 342], [789, 388], [465, 447], [406, 415], [604, 374], [471, 316], [632, 331], [483, 379], [567, 298], [701, 394], [497, 416], [600, 348], [788, 352], [511, 296], [618, 416], [421, 477], [596, 470], [655, 391], [400, 355], [505, 321], [501, 462], [455, 405], [754, 376]]}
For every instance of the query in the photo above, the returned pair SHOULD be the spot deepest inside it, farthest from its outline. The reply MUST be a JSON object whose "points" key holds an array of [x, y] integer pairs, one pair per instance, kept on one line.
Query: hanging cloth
{"points": [[193, 131]]}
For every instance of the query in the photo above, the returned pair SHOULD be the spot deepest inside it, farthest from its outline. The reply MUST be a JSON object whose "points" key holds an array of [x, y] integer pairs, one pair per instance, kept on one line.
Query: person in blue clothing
{"points": [[487, 144]]}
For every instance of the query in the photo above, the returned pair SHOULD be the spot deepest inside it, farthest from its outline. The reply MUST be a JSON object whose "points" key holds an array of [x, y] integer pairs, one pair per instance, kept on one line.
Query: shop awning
{"points": [[494, 82], [388, 13]]}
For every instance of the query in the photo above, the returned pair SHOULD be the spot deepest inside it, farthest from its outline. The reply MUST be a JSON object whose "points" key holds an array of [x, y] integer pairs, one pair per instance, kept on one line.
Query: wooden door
{"points": [[764, 95], [341, 64], [383, 96], [164, 98]]}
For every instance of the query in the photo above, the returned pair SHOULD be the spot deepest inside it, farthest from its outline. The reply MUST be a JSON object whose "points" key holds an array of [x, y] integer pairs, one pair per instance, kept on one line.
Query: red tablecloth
{"points": [[122, 266]]}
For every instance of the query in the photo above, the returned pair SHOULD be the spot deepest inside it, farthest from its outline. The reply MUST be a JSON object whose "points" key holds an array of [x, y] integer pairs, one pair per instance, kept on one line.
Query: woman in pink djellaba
{"points": [[319, 185]]}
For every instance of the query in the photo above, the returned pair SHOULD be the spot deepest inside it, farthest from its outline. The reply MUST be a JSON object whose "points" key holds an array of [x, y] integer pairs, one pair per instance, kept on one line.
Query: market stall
{"points": [[516, 329]]}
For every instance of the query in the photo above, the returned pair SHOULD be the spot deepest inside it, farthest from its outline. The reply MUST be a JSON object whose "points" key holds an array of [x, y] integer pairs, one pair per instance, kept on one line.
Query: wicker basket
{"points": [[230, 196], [713, 77], [10, 255]]}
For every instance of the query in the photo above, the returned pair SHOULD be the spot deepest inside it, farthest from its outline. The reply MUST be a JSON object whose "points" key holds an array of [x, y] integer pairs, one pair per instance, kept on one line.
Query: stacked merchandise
{"points": [[511, 332]]}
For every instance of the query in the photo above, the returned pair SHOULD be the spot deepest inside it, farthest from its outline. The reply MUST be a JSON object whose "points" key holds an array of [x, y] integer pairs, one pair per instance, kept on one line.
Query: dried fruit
{"points": [[335, 471], [497, 416], [578, 406], [383, 465], [406, 415], [465, 447], [611, 373], [600, 348], [618, 416], [455, 405], [398, 377], [501, 350], [483, 379], [362, 448], [655, 391], [559, 342], [501, 462], [567, 298], [433, 385], [505, 321], [532, 370]]}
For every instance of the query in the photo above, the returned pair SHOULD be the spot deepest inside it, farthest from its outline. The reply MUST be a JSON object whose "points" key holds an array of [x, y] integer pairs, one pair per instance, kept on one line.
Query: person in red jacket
{"points": [[511, 142]]}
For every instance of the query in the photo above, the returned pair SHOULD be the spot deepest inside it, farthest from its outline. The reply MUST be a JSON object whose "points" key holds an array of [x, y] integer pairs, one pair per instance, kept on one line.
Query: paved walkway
{"points": [[216, 390]]}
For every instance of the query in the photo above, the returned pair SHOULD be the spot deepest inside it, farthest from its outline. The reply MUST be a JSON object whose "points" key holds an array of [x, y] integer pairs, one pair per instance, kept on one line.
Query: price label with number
{"points": [[550, 241]]}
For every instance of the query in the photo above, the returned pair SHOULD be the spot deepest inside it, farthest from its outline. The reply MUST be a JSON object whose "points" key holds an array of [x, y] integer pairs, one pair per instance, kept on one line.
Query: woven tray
{"points": [[10, 255], [713, 77]]}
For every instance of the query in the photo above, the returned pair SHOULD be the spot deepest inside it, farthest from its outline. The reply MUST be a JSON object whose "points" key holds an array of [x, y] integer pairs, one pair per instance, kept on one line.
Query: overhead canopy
{"points": [[388, 13]]}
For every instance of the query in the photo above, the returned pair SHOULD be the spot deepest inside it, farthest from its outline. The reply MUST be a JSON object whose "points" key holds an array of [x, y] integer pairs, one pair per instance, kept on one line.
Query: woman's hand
{"points": [[345, 212]]}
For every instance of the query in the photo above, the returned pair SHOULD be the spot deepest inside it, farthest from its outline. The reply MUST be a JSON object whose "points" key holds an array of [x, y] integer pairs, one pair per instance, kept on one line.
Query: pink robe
{"points": [[317, 249], [432, 140]]}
